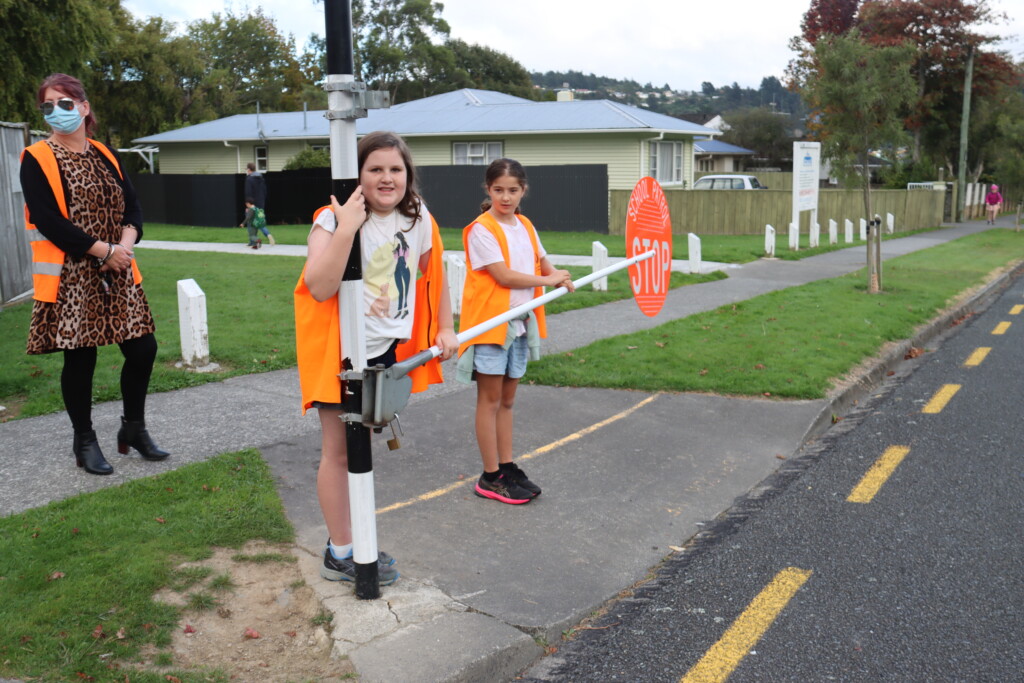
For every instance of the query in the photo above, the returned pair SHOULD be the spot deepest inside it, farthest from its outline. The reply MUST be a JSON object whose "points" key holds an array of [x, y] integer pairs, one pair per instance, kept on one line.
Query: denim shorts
{"points": [[492, 359]]}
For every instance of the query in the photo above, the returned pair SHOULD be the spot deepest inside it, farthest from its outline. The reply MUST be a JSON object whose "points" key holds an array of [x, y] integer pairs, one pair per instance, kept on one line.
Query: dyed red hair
{"points": [[72, 87]]}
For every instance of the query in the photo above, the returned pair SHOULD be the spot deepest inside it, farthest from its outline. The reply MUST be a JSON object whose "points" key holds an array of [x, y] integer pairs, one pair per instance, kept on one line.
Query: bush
{"points": [[309, 158]]}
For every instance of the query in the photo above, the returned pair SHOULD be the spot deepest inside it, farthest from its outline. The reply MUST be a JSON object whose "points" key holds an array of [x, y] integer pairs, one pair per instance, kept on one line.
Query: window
{"points": [[260, 158], [475, 153], [319, 148], [706, 164], [667, 162]]}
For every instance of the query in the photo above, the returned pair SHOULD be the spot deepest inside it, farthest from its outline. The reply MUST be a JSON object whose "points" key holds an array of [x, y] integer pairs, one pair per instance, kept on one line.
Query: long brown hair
{"points": [[500, 168], [409, 206], [72, 87]]}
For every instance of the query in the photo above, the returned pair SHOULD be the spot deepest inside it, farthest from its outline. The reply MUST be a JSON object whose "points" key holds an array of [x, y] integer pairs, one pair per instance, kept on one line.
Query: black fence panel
{"points": [[561, 198]]}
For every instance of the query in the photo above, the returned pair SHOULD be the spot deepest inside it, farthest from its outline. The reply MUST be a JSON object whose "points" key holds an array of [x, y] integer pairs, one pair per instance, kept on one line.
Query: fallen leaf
{"points": [[660, 345], [251, 633], [780, 457], [703, 372], [25, 639], [84, 677], [54, 576], [75, 530], [759, 366], [161, 520], [767, 393], [121, 634], [291, 634], [631, 348], [189, 629], [98, 632], [172, 679], [675, 548]]}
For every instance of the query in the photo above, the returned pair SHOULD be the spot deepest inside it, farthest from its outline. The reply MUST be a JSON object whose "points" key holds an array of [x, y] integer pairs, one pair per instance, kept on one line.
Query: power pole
{"points": [[965, 120]]}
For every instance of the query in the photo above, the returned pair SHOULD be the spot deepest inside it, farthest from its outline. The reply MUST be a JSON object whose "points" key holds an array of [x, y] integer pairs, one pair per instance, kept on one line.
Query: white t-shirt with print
{"points": [[485, 250], [391, 250]]}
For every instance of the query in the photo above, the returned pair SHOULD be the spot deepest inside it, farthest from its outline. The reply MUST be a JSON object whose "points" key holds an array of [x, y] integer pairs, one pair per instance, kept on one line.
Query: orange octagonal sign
{"points": [[648, 227]]}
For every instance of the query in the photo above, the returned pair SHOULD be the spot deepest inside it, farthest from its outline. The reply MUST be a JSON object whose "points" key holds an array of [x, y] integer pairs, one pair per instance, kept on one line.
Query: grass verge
{"points": [[720, 248], [793, 343], [77, 576]]}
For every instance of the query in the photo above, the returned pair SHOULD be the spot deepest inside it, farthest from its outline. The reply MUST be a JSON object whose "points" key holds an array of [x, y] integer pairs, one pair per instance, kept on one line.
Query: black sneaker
{"points": [[516, 475], [345, 570], [502, 489]]}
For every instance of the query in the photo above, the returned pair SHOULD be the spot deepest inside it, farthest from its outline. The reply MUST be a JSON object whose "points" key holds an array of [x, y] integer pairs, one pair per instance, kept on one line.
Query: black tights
{"points": [[76, 380]]}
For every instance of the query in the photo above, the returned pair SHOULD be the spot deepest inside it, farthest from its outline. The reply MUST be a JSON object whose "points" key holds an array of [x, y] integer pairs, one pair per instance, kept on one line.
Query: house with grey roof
{"points": [[464, 127], [716, 156]]}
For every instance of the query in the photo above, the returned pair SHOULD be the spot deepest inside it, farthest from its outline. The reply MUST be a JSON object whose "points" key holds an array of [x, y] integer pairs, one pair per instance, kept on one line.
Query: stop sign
{"points": [[649, 228]]}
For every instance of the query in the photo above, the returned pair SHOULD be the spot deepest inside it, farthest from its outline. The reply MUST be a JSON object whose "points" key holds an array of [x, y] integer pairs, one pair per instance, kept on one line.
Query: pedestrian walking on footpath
{"points": [[256, 188], [395, 230], [253, 218], [84, 220], [506, 266], [993, 204]]}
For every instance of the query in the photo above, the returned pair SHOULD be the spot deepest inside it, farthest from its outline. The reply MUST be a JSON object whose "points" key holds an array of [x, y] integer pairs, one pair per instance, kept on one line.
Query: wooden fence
{"points": [[747, 212], [15, 255]]}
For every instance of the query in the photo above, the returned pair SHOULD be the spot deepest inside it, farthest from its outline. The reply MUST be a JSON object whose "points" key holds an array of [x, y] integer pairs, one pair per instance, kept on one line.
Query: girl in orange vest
{"points": [[506, 266], [83, 220], [398, 237]]}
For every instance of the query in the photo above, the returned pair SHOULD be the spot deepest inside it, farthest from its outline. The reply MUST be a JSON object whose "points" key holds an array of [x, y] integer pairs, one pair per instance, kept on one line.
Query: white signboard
{"points": [[806, 170]]}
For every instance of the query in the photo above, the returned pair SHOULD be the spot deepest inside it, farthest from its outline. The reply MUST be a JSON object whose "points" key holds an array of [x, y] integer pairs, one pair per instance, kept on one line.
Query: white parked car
{"points": [[728, 182]]}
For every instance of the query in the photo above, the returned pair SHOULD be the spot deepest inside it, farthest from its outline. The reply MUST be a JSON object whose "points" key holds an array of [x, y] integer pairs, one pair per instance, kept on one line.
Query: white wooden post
{"points": [[455, 267], [848, 225], [599, 259], [863, 230], [693, 244], [195, 334], [769, 241], [890, 222], [815, 234], [833, 232], [794, 236]]}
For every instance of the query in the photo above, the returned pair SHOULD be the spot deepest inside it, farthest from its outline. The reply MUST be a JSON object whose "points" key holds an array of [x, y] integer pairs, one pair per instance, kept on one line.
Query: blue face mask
{"points": [[66, 122]]}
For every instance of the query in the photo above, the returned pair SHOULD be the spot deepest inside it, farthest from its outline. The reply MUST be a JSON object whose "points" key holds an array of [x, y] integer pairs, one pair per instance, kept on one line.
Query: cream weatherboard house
{"points": [[457, 128]]}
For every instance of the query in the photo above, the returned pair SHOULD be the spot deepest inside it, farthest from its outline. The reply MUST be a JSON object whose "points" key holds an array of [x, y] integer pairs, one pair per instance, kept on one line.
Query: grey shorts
{"points": [[492, 359]]}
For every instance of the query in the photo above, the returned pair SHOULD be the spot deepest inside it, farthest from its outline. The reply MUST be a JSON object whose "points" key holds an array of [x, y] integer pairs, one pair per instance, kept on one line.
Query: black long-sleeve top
{"points": [[46, 216]]}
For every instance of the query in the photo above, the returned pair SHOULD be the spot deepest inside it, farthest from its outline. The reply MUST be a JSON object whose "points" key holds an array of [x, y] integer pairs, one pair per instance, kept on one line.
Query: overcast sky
{"points": [[682, 43]]}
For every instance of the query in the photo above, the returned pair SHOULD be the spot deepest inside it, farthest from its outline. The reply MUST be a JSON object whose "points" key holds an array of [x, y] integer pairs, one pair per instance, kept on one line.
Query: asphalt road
{"points": [[921, 581]]}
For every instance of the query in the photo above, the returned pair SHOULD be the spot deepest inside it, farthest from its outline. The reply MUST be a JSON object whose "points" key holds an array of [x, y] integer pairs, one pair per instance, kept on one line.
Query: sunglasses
{"points": [[65, 103]]}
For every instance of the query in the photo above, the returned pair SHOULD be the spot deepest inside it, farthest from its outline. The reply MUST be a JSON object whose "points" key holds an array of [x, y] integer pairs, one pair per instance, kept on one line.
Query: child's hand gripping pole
{"points": [[405, 367]]}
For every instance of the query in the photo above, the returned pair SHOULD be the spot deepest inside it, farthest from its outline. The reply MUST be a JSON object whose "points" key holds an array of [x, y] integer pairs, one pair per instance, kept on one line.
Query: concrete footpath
{"points": [[627, 476]]}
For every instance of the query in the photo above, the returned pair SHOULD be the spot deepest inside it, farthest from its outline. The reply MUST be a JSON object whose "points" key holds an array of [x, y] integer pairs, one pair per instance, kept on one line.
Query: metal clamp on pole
{"points": [[362, 99]]}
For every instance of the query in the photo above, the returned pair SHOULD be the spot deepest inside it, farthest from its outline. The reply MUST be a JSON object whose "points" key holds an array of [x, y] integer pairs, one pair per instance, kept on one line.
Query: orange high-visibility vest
{"points": [[318, 332], [47, 258], [482, 297]]}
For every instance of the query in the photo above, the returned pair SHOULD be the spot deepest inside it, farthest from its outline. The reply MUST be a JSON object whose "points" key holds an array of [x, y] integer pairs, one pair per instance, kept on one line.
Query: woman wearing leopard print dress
{"points": [[84, 219]]}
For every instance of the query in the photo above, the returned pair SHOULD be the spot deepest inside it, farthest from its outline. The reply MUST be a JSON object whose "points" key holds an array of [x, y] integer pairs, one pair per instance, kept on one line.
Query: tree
{"points": [[760, 130], [247, 61], [942, 31], [394, 42], [144, 81], [41, 37], [489, 69], [859, 97]]}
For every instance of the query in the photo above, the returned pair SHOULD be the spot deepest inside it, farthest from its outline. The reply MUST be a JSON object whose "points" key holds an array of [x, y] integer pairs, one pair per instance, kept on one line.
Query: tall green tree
{"points": [[488, 69], [399, 41], [247, 61], [859, 96], [145, 81], [40, 37]]}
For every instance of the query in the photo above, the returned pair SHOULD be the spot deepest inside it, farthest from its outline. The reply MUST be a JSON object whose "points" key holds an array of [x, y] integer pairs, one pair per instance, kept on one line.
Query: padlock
{"points": [[393, 443]]}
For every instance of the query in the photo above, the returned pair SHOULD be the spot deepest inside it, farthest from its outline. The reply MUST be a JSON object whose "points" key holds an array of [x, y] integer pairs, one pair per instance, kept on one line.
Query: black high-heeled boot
{"points": [[88, 454], [134, 434]]}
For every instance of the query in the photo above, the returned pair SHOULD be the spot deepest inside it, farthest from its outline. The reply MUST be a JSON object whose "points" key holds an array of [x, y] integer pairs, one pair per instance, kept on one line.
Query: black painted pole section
{"points": [[344, 180]]}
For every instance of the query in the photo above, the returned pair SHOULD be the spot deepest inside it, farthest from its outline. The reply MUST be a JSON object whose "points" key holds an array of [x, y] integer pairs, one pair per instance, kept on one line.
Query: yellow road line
{"points": [[1001, 328], [878, 474], [941, 398], [1017, 309], [977, 357], [543, 449], [724, 656]]}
